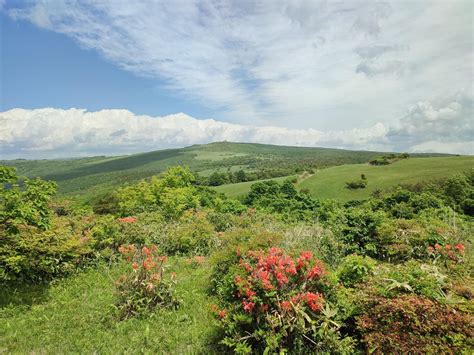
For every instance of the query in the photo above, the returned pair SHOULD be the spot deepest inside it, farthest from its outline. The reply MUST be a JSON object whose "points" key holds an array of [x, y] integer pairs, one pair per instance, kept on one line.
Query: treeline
{"points": [[389, 159], [218, 178]]}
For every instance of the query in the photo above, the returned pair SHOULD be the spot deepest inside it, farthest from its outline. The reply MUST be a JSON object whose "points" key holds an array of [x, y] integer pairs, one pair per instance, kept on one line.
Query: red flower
{"points": [[135, 266], [448, 246], [316, 272], [438, 247], [222, 313], [127, 220], [286, 306], [248, 306], [460, 248], [249, 293]]}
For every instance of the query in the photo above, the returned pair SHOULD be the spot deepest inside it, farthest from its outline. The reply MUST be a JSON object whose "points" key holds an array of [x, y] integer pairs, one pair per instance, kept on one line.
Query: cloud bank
{"points": [[53, 133]]}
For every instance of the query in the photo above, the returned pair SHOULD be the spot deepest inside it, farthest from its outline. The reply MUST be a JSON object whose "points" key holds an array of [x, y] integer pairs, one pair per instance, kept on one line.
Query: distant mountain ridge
{"points": [[93, 174]]}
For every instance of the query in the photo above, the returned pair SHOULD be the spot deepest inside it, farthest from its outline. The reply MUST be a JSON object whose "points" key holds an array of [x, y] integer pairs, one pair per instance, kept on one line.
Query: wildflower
{"points": [[222, 313], [430, 250], [448, 246], [316, 272], [285, 305], [146, 251], [248, 306], [460, 248], [263, 308], [313, 300], [135, 266], [438, 247], [127, 220], [250, 293]]}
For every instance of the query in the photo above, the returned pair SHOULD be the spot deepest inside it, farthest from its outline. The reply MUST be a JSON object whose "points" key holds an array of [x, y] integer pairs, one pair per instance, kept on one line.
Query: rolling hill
{"points": [[92, 175], [88, 175], [330, 183]]}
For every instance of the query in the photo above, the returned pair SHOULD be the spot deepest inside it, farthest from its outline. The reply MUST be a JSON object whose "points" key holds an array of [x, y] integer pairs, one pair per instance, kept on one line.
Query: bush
{"points": [[415, 325], [146, 285], [232, 244], [354, 268], [276, 303], [39, 255], [358, 184], [192, 234], [26, 205]]}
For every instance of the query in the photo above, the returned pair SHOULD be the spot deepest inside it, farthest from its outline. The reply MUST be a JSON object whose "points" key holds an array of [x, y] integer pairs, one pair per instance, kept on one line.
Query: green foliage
{"points": [[26, 204], [282, 199], [192, 234], [146, 285], [354, 268], [36, 255]]}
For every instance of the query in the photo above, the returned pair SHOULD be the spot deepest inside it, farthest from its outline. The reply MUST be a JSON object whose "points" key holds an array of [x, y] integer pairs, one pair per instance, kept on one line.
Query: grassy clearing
{"points": [[242, 188], [73, 315], [330, 182]]}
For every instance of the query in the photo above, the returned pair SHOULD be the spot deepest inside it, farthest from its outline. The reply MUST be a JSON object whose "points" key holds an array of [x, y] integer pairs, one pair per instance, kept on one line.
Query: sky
{"points": [[85, 78]]}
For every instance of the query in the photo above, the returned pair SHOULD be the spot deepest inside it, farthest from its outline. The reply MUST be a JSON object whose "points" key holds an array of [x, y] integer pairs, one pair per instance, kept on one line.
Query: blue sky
{"points": [[45, 69], [82, 77]]}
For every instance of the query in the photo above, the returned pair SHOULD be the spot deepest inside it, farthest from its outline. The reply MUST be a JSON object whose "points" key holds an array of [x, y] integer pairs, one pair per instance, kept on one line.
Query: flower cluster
{"points": [[272, 295], [144, 287], [268, 277], [449, 251], [127, 220]]}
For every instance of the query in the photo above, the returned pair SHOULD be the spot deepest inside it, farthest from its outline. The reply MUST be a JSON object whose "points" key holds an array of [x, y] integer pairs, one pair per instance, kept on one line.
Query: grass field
{"points": [[241, 188], [73, 315], [330, 182]]}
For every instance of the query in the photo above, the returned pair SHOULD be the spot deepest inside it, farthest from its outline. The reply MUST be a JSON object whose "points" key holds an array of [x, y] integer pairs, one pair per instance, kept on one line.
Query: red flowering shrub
{"points": [[276, 303], [415, 325], [145, 286], [447, 253]]}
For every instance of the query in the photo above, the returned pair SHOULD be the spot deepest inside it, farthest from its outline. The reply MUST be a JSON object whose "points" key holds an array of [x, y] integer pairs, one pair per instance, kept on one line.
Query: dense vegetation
{"points": [[168, 265]]}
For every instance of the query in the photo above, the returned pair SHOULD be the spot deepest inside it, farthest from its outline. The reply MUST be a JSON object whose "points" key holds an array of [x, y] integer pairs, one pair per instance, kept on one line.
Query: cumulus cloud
{"points": [[311, 63], [52, 133], [446, 127]]}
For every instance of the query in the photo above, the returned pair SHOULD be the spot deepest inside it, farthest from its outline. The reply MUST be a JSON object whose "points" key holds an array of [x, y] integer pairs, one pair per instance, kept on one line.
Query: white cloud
{"points": [[321, 64], [447, 125], [52, 133]]}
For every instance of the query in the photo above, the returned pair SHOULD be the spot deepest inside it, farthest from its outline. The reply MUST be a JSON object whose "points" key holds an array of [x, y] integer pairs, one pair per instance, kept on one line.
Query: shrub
{"points": [[146, 285], [26, 205], [276, 303], [232, 244], [411, 277], [358, 184], [192, 234], [39, 255], [354, 268], [410, 324]]}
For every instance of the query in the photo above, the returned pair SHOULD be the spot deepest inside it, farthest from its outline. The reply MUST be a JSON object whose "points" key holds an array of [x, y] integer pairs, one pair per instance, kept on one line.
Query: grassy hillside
{"points": [[89, 175], [241, 188], [330, 183]]}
